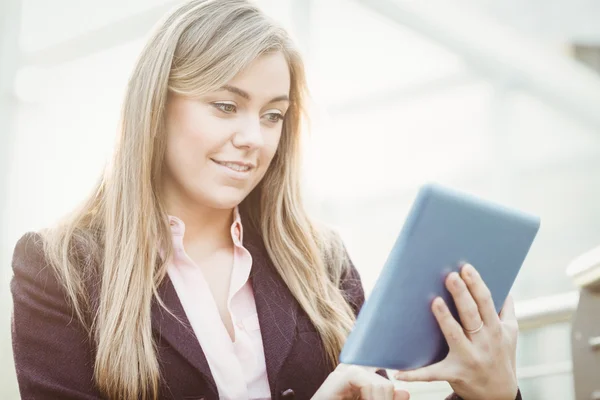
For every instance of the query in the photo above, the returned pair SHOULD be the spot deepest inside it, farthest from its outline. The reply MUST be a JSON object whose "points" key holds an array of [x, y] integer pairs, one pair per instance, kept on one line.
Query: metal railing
{"points": [[546, 310]]}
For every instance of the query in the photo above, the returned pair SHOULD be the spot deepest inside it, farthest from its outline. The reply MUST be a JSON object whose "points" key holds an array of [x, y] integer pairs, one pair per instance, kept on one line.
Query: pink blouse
{"points": [[238, 367]]}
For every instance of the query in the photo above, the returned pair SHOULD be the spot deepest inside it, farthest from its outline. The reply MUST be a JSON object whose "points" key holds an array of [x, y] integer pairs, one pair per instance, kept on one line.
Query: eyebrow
{"points": [[246, 95]]}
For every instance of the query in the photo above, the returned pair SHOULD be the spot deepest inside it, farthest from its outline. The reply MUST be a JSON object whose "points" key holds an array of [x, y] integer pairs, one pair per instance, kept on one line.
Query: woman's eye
{"points": [[274, 117], [226, 107]]}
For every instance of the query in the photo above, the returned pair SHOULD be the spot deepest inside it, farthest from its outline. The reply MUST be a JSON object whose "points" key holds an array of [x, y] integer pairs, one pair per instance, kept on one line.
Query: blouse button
{"points": [[288, 394]]}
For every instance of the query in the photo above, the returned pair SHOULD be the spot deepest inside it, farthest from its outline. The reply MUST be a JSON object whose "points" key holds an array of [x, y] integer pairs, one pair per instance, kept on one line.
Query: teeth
{"points": [[236, 167]]}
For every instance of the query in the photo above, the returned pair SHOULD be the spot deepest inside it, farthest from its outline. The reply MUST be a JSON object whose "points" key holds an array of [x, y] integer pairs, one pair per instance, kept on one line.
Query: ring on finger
{"points": [[470, 332]]}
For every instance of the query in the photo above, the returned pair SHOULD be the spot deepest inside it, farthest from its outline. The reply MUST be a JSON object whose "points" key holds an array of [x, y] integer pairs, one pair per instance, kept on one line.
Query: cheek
{"points": [[270, 147], [185, 149], [194, 129], [193, 140], [186, 156]]}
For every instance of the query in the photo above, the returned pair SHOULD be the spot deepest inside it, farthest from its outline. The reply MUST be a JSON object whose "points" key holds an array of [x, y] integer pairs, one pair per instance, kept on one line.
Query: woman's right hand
{"points": [[350, 382]]}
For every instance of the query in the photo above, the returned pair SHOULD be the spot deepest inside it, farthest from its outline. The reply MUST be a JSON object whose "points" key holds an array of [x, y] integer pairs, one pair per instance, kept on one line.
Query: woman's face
{"points": [[220, 145]]}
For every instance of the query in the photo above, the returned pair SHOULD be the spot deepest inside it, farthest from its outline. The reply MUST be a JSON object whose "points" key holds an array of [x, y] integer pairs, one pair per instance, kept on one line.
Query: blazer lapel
{"points": [[276, 308], [179, 333]]}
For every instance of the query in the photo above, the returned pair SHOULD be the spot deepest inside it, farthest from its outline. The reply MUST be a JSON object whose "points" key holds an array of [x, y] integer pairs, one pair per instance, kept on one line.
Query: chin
{"points": [[223, 199]]}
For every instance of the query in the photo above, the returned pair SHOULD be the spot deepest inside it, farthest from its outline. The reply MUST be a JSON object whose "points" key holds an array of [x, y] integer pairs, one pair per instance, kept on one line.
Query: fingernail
{"points": [[468, 268], [441, 307], [439, 304], [455, 279], [466, 276]]}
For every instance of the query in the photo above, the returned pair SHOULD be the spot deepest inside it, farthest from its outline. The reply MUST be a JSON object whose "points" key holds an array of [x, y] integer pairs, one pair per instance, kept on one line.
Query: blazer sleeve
{"points": [[54, 356], [454, 396], [352, 288]]}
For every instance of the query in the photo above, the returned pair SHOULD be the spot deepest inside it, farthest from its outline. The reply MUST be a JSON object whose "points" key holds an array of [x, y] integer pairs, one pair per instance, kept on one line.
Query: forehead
{"points": [[268, 76]]}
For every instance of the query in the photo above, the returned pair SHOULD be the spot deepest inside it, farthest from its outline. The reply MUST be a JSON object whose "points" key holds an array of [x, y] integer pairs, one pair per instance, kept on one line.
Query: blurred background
{"points": [[499, 98]]}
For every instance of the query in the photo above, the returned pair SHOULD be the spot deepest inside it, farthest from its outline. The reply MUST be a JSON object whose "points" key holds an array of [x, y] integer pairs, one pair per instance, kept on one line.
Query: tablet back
{"points": [[396, 328]]}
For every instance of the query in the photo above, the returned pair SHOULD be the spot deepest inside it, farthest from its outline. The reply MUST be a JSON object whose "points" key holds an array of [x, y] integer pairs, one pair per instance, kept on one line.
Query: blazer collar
{"points": [[276, 307]]}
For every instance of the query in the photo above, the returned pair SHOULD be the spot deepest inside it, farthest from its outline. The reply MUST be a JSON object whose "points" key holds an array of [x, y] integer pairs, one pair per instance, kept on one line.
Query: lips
{"points": [[239, 166]]}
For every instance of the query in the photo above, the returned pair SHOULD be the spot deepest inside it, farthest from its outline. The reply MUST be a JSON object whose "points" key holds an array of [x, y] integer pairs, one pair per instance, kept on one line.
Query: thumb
{"points": [[430, 373], [508, 310], [400, 394]]}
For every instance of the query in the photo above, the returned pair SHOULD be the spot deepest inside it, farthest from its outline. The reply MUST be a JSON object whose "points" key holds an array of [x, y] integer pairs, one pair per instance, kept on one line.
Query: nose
{"points": [[249, 134]]}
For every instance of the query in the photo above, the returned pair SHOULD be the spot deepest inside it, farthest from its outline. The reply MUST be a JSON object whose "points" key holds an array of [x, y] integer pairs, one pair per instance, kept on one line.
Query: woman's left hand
{"points": [[481, 363]]}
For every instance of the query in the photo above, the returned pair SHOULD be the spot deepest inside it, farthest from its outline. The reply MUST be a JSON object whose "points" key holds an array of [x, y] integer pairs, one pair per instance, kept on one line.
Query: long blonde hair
{"points": [[113, 236]]}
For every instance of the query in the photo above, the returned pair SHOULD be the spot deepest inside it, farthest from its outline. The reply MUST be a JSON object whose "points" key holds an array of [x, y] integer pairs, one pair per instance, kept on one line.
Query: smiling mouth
{"points": [[235, 166]]}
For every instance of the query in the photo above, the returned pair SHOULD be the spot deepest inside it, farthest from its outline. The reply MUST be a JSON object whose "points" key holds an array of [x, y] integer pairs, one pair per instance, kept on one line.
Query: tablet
{"points": [[396, 329]]}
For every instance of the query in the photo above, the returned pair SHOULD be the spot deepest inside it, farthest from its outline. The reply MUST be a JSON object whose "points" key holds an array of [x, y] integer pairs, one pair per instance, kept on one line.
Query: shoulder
{"points": [[343, 271], [34, 283], [29, 250], [29, 262], [45, 331], [35, 279]]}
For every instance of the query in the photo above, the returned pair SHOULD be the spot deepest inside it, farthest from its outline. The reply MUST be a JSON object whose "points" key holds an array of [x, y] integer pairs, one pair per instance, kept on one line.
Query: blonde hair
{"points": [[109, 244]]}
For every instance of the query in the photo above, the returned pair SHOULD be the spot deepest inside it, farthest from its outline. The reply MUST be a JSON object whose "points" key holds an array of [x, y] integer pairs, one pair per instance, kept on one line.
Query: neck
{"points": [[205, 228]]}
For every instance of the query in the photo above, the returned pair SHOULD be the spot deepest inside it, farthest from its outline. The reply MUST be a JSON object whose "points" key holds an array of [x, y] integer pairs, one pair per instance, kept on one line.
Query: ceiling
{"points": [[574, 21], [550, 20]]}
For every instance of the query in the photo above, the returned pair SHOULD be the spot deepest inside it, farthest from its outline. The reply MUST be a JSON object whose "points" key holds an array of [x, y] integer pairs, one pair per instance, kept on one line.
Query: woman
{"points": [[193, 271]]}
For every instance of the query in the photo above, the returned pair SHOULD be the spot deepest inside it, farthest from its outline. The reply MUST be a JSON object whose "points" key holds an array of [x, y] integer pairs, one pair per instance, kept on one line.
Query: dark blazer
{"points": [[54, 356]]}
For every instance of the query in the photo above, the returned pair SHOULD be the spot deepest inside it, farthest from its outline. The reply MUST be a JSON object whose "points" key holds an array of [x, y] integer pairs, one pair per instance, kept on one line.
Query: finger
{"points": [[482, 295], [388, 390], [467, 308], [453, 332], [358, 378], [431, 373], [366, 381], [400, 394], [508, 311], [383, 391], [509, 318], [377, 393], [389, 394], [366, 392]]}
